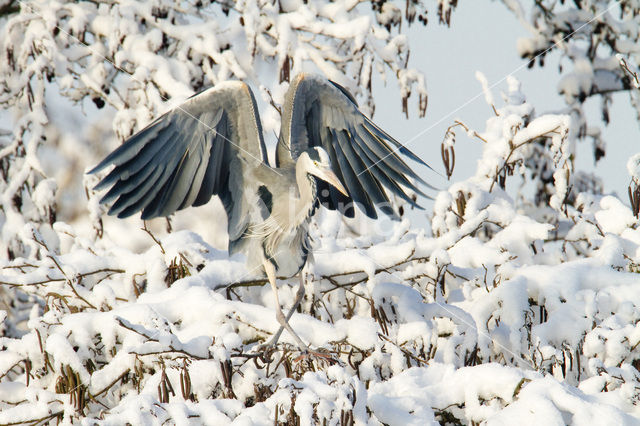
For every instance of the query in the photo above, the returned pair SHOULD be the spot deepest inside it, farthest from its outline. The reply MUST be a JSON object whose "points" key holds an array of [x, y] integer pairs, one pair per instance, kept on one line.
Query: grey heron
{"points": [[328, 153]]}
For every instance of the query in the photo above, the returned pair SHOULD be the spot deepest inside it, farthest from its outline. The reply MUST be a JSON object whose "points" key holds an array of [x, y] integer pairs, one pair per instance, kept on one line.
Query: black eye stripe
{"points": [[314, 155]]}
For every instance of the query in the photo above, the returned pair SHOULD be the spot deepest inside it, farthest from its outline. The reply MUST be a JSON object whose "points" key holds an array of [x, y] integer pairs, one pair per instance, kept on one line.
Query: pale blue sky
{"points": [[483, 38]]}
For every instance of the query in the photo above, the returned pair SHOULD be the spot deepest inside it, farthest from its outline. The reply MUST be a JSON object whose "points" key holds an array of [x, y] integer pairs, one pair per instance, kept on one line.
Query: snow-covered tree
{"points": [[597, 42], [517, 306], [125, 62]]}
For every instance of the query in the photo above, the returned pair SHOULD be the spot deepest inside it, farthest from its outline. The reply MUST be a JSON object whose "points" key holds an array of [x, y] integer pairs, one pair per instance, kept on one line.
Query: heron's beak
{"points": [[328, 176]]}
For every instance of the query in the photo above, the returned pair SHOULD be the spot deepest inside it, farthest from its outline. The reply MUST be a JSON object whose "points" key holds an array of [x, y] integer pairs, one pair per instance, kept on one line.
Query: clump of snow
{"points": [[488, 96], [586, 71], [633, 166]]}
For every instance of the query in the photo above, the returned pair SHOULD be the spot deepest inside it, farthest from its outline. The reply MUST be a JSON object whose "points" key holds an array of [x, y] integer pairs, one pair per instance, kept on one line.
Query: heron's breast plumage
{"points": [[286, 236], [279, 228]]}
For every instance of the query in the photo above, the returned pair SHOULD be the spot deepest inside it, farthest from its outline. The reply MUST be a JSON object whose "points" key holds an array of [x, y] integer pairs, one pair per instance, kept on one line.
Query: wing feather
{"points": [[335, 200], [365, 158], [130, 150], [135, 200], [376, 168], [351, 181], [184, 157], [134, 165], [365, 175], [384, 164]]}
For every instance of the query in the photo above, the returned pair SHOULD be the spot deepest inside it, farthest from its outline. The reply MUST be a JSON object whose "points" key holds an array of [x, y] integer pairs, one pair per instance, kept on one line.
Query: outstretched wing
{"points": [[319, 112], [206, 146]]}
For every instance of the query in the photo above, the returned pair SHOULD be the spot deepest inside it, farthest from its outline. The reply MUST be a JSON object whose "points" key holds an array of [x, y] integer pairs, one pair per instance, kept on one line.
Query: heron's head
{"points": [[317, 163]]}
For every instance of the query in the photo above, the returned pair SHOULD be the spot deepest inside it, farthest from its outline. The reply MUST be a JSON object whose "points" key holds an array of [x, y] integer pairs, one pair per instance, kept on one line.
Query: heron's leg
{"points": [[271, 275], [299, 296]]}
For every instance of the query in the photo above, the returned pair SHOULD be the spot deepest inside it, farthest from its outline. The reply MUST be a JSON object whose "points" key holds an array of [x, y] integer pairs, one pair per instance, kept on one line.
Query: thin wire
{"points": [[555, 44], [164, 98]]}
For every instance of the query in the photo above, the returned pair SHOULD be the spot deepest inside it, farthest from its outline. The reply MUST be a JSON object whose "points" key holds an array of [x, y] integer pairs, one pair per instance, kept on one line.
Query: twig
{"points": [[625, 66], [466, 128], [54, 258], [12, 367], [250, 283], [36, 421], [171, 349], [49, 280], [405, 351], [111, 384], [155, 240], [513, 149]]}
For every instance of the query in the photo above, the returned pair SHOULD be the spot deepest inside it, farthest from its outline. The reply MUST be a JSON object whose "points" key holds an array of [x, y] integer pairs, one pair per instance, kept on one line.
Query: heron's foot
{"points": [[309, 355], [266, 350]]}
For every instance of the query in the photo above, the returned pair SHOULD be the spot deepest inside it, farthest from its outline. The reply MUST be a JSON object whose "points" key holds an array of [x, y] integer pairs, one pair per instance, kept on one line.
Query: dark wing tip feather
{"points": [[364, 157], [391, 155], [372, 127], [177, 160], [108, 160], [132, 146], [350, 179]]}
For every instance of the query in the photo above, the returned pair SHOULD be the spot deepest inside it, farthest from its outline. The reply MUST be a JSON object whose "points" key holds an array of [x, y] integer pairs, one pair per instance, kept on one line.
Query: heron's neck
{"points": [[306, 189]]}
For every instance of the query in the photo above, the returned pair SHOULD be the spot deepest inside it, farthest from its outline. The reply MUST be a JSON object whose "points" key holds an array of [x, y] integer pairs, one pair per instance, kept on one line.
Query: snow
{"points": [[512, 308], [407, 371], [488, 96], [633, 166], [614, 217]]}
